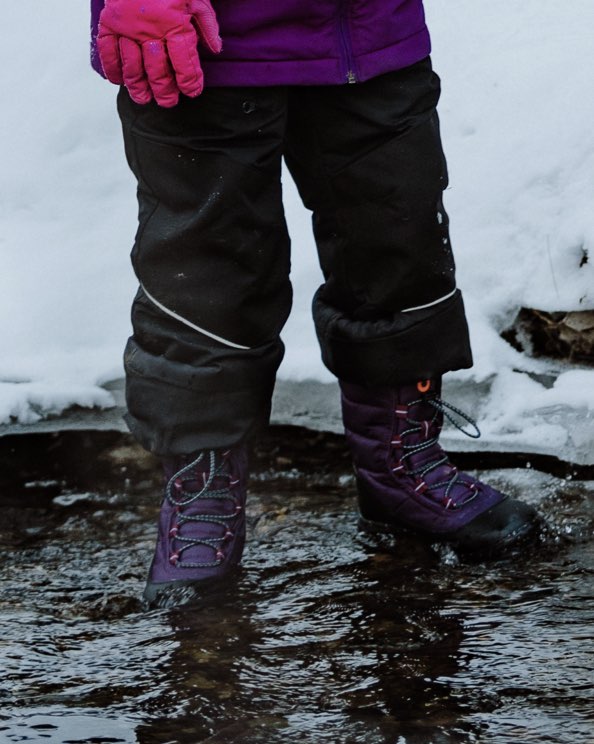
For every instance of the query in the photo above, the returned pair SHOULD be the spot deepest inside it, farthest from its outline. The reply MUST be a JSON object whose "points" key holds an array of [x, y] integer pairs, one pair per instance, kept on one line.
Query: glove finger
{"points": [[160, 73], [133, 71], [109, 54], [208, 26], [183, 55]]}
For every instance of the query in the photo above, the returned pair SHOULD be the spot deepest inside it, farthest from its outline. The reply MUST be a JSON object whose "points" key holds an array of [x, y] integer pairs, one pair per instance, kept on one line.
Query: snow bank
{"points": [[517, 124], [66, 216]]}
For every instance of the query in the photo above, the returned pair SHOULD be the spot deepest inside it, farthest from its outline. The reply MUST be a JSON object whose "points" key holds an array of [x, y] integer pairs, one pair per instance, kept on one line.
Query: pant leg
{"points": [[368, 161], [212, 258]]}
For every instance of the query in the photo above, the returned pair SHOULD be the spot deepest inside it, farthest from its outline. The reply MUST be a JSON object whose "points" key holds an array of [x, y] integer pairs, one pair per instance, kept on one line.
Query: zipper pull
{"points": [[351, 77]]}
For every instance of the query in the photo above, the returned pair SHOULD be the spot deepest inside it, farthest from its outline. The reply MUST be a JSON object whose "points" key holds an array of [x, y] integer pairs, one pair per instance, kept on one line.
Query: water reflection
{"points": [[355, 652], [327, 636]]}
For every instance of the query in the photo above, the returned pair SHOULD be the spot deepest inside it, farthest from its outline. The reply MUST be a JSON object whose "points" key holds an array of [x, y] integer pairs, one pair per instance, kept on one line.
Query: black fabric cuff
{"points": [[177, 409], [409, 346]]}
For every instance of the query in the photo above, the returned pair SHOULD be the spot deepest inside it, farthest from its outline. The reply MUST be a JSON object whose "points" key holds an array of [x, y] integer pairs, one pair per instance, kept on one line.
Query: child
{"points": [[344, 91]]}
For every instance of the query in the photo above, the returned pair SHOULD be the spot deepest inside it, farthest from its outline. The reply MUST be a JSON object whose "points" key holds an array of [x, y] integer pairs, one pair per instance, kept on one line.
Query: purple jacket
{"points": [[308, 42]]}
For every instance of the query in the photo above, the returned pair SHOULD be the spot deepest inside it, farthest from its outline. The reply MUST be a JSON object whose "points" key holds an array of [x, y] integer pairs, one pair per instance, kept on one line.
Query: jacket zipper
{"points": [[345, 38]]}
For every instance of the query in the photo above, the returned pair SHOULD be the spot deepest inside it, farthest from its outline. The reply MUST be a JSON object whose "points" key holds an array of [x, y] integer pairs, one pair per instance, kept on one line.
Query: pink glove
{"points": [[150, 46]]}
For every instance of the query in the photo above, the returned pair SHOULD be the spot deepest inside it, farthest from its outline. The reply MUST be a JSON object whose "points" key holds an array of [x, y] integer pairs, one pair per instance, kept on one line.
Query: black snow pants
{"points": [[212, 249]]}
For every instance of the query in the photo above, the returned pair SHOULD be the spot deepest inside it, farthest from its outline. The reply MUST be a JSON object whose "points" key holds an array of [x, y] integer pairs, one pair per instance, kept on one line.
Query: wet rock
{"points": [[559, 335]]}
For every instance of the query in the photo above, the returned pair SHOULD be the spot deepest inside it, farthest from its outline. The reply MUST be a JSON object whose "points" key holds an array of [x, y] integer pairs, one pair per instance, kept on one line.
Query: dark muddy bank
{"points": [[327, 636]]}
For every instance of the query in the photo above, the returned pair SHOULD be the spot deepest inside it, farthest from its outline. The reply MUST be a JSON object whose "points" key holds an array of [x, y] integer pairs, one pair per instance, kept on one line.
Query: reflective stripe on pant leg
{"points": [[212, 255], [368, 162]]}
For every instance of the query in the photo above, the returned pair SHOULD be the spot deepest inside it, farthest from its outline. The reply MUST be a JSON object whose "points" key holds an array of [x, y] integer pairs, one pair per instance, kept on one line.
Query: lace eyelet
{"points": [[421, 486], [220, 556], [174, 530], [174, 559]]}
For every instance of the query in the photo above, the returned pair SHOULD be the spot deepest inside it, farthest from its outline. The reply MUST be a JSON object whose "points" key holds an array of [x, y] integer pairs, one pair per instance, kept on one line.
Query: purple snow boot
{"points": [[407, 483], [201, 524]]}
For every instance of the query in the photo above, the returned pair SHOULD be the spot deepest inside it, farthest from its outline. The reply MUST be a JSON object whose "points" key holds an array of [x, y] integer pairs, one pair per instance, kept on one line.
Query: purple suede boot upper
{"points": [[405, 478], [202, 520]]}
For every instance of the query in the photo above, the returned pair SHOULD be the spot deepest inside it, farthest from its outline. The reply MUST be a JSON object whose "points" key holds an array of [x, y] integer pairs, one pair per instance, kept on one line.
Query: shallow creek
{"points": [[328, 635]]}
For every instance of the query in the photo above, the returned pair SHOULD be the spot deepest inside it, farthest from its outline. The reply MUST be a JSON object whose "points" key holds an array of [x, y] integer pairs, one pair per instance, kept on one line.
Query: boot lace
{"points": [[180, 498], [440, 459]]}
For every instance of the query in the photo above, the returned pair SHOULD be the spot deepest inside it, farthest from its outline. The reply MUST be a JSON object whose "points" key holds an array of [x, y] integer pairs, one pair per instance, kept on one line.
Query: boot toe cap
{"points": [[505, 526]]}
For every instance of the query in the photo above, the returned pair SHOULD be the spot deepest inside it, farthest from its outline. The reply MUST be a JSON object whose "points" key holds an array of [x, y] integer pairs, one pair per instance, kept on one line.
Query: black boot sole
{"points": [[479, 539], [185, 592]]}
